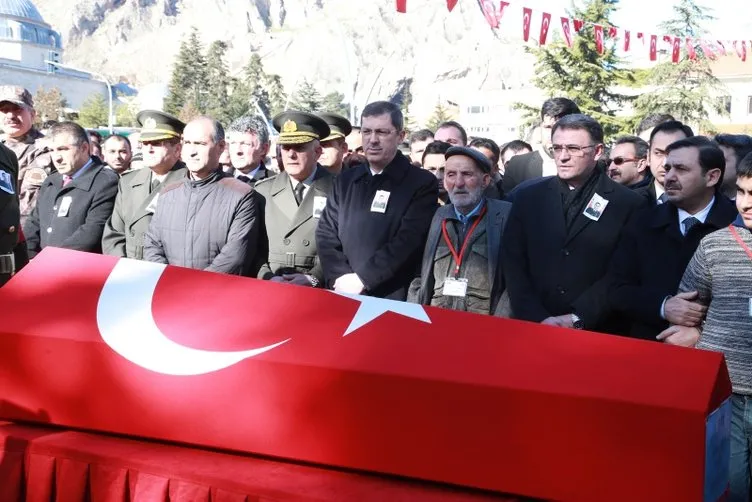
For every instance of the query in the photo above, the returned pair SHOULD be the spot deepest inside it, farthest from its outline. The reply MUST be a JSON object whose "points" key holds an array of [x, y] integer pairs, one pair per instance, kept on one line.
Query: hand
{"points": [[682, 336], [278, 278], [562, 321], [297, 279], [682, 311], [350, 284]]}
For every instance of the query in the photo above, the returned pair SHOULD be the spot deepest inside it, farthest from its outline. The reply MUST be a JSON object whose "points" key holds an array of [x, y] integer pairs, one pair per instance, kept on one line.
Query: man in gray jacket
{"points": [[209, 221], [461, 267]]}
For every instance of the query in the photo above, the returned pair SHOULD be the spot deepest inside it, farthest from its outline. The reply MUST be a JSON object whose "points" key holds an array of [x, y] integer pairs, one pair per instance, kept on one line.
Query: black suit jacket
{"points": [[551, 271], [521, 168], [384, 249], [92, 198], [648, 193], [650, 261]]}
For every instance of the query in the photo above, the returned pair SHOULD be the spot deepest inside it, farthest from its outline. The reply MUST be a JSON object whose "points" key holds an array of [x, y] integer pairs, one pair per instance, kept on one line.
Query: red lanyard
{"points": [[740, 241], [458, 257]]}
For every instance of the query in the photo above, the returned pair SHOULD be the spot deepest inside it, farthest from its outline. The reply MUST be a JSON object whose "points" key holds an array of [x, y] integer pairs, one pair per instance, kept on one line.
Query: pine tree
{"points": [[125, 116], [250, 89], [404, 97], [334, 102], [218, 77], [582, 74], [277, 95], [687, 90], [307, 97], [94, 111], [440, 114], [50, 105], [189, 81]]}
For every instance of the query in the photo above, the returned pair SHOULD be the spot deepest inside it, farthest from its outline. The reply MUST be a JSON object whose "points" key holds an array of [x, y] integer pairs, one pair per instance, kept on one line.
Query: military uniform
{"points": [[339, 129], [9, 213], [138, 192]]}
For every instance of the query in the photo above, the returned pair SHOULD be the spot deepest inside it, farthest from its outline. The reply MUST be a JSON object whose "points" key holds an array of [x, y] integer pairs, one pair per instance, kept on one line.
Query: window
{"points": [[749, 105], [724, 102], [474, 109]]}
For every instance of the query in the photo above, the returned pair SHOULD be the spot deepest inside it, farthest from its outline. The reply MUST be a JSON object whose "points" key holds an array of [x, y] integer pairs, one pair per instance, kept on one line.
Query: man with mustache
{"points": [[663, 135], [655, 248], [469, 280]]}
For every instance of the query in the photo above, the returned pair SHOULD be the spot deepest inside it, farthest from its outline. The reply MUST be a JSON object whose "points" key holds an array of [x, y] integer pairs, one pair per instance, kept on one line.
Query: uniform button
{"points": [[286, 242], [54, 208], [306, 242], [133, 234], [565, 252], [49, 230], [11, 229], [560, 290]]}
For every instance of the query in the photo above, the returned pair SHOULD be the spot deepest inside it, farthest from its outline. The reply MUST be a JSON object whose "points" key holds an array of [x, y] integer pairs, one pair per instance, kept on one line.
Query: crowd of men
{"points": [[644, 236]]}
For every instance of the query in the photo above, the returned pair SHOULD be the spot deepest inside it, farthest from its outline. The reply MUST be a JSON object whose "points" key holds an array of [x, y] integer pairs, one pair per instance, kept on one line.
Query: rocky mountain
{"points": [[362, 48]]}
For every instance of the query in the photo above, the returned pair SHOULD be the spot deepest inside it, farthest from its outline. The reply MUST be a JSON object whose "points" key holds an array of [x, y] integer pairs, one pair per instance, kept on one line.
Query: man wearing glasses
{"points": [[372, 233], [629, 164], [138, 191], [562, 232]]}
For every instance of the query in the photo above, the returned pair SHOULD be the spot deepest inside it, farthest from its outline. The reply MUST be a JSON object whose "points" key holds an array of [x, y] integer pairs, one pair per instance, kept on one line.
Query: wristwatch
{"points": [[577, 323], [314, 281]]}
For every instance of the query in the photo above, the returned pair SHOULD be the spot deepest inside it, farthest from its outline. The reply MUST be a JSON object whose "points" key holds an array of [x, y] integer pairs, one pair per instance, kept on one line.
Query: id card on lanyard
{"points": [[454, 285]]}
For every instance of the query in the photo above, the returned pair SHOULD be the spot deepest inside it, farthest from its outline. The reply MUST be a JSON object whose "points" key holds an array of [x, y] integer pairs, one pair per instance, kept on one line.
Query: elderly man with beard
{"points": [[462, 260]]}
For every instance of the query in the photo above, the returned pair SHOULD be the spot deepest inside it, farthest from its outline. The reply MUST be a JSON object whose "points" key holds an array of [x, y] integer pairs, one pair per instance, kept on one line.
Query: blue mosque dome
{"points": [[20, 21]]}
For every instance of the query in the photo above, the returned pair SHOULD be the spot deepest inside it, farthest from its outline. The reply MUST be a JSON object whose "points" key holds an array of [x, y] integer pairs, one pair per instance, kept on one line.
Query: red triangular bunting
{"points": [[451, 4]]}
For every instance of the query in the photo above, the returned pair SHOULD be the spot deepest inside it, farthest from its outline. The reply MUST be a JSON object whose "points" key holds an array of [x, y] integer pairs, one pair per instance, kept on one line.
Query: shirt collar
{"points": [[464, 219], [701, 216], [659, 190], [307, 182], [251, 174], [84, 168]]}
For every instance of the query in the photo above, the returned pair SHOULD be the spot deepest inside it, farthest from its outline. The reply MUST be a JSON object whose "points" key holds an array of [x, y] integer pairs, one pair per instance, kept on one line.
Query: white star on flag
{"points": [[371, 308]]}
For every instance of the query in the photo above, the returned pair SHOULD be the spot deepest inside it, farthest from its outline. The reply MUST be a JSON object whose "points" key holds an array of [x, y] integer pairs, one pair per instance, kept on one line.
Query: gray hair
{"points": [[218, 132], [251, 124]]}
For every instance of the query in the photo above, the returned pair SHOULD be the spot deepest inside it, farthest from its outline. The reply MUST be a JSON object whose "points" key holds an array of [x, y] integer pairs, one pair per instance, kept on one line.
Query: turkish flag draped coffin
{"points": [[109, 345]]}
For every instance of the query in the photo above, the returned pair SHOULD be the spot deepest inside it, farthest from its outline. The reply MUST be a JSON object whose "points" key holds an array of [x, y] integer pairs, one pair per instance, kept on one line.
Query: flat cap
{"points": [[339, 126], [480, 160], [296, 128], [16, 95], [156, 125]]}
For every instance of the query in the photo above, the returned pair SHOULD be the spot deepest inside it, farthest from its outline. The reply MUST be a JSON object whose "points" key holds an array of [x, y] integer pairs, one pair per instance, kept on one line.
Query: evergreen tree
{"points": [[687, 90], [50, 105], [125, 116], [189, 81], [277, 95], [334, 102], [404, 97], [250, 89], [582, 74], [307, 98], [440, 114], [94, 111], [218, 77]]}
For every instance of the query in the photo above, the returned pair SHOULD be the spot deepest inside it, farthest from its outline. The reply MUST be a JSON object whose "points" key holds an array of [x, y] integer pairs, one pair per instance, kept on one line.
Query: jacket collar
{"points": [[667, 215], [83, 182], [144, 175], [396, 170]]}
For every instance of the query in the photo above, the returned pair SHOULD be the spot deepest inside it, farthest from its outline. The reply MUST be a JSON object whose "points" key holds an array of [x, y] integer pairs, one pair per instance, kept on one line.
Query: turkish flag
{"points": [[545, 24], [566, 30], [402, 6], [492, 15], [451, 4], [527, 14], [676, 50], [641, 37], [691, 49], [653, 47], [598, 38], [741, 49], [612, 32], [627, 40], [707, 49], [578, 25], [720, 48]]}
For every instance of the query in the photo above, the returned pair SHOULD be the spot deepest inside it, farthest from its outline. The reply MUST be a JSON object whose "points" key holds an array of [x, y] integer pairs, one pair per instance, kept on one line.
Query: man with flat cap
{"points": [[295, 199], [138, 190], [462, 267], [335, 145]]}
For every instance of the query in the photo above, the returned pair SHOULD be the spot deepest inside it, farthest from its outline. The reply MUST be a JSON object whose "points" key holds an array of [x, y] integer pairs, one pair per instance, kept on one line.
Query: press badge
{"points": [[380, 200], [595, 207], [455, 287], [319, 203], [65, 205]]}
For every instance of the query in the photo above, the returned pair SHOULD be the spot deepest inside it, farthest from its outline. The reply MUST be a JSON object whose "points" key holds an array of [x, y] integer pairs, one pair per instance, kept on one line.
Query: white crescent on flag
{"points": [[126, 323]]}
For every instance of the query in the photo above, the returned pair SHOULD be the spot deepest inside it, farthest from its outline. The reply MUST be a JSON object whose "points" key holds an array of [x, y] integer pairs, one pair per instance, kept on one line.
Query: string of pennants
{"points": [[494, 12]]}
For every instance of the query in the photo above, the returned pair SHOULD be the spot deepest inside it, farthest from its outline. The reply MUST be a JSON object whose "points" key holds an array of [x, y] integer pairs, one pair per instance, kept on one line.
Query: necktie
{"points": [[299, 193], [689, 223], [244, 178], [663, 198], [154, 184], [66, 179]]}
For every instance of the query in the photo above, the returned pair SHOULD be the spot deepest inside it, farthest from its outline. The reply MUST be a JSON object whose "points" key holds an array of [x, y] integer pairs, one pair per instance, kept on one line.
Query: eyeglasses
{"points": [[621, 160], [573, 150], [380, 133]]}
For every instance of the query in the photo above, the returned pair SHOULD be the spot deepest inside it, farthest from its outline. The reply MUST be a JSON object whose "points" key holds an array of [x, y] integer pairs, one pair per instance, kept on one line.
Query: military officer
{"points": [[295, 199], [138, 190], [335, 145], [9, 212]]}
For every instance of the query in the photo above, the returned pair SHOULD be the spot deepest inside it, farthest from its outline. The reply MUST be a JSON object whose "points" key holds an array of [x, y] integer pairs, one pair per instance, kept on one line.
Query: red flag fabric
{"points": [[402, 6], [741, 49], [707, 49], [720, 48], [653, 47], [598, 38], [627, 40], [566, 30], [691, 49], [641, 36], [527, 14], [613, 32], [545, 25], [493, 16], [578, 25], [676, 50], [451, 4], [667, 39]]}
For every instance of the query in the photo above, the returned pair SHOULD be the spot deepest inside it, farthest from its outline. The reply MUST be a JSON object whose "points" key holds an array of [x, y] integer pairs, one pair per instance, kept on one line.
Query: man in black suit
{"points": [[75, 202], [562, 232], [248, 144], [663, 135], [540, 162], [371, 235], [657, 245]]}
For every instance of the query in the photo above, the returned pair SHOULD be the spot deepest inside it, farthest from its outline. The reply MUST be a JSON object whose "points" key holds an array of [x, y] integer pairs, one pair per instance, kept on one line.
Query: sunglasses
{"points": [[621, 160]]}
